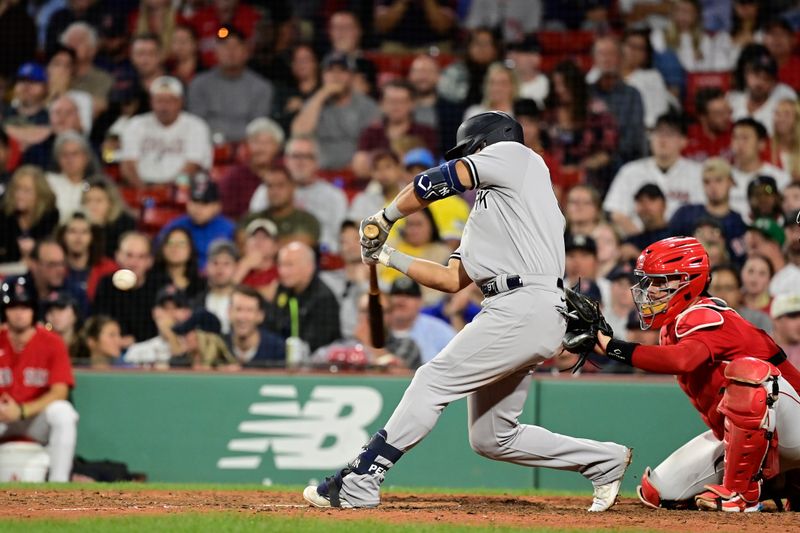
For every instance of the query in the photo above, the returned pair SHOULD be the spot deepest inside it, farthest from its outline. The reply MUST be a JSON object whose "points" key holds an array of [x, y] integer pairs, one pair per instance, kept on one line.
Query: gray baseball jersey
{"points": [[515, 226]]}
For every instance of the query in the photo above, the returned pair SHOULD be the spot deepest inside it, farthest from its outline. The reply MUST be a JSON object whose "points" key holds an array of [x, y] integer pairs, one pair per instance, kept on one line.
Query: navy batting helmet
{"points": [[482, 130]]}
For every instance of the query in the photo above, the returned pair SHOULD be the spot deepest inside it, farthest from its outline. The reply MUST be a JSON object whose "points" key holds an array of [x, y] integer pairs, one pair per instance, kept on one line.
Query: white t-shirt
{"points": [[218, 305], [785, 281], [682, 184], [714, 54], [536, 89], [68, 195], [655, 95], [765, 113], [738, 197], [150, 352], [161, 152]]}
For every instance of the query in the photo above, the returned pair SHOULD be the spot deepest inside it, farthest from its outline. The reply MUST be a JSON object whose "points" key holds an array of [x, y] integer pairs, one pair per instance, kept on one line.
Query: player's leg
{"points": [[57, 428], [787, 424]]}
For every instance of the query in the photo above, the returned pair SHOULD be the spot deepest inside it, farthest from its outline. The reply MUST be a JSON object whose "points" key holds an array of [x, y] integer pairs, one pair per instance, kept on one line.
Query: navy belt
{"points": [[493, 287]]}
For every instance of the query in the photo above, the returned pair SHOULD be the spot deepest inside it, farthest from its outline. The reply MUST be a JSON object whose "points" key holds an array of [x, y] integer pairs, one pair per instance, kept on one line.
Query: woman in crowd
{"points": [[106, 210], [304, 81], [158, 17], [74, 163], [756, 274], [83, 245], [63, 318], [609, 248], [747, 18], [584, 210], [462, 82], [638, 72], [176, 262], [786, 138], [99, 343], [29, 213], [184, 55], [500, 90]]}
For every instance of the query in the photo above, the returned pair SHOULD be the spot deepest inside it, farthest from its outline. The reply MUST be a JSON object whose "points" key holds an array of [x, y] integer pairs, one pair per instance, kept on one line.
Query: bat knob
{"points": [[371, 231]]}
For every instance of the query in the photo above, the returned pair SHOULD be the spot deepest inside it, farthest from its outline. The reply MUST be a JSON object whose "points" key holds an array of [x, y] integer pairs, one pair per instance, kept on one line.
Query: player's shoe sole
{"points": [[313, 497], [605, 496]]}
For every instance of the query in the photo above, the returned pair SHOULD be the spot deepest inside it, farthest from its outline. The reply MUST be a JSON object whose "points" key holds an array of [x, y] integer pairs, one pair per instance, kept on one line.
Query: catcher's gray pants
{"points": [[489, 360]]}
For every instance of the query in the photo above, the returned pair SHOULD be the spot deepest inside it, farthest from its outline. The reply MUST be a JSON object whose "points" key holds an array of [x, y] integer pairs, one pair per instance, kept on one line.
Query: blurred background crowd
{"points": [[226, 150]]}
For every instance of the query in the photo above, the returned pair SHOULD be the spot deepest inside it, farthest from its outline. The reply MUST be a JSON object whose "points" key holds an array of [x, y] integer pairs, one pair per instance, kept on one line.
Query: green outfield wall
{"points": [[289, 429]]}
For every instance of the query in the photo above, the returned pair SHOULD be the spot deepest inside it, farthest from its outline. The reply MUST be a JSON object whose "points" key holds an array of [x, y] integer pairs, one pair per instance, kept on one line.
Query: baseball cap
{"points": [[580, 242], [419, 156], [263, 224], [337, 59], [766, 182], [203, 190], [223, 246], [199, 319], [529, 44], [61, 300], [166, 85], [227, 31], [525, 107], [769, 228], [405, 287], [622, 271], [170, 293], [31, 71], [651, 191], [785, 304]]}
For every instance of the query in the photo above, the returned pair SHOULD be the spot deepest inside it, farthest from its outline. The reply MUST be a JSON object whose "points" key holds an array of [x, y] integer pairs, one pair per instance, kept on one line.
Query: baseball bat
{"points": [[376, 330]]}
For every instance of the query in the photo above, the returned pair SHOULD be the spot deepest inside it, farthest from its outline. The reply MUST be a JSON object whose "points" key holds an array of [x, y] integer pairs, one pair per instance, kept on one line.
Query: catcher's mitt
{"points": [[584, 320]]}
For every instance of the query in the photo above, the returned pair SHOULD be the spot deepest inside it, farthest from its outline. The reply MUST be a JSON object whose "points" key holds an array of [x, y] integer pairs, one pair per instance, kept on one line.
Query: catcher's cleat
{"points": [[718, 498], [605, 496]]}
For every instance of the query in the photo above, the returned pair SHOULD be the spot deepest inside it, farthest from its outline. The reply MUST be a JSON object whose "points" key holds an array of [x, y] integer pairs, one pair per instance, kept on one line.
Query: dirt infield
{"points": [[533, 511]]}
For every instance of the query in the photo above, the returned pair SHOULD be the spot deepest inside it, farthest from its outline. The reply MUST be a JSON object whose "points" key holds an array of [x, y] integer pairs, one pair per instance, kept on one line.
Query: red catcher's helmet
{"points": [[672, 273]]}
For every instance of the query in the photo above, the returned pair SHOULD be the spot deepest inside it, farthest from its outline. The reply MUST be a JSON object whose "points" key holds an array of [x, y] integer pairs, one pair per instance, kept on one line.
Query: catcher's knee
{"points": [[647, 492]]}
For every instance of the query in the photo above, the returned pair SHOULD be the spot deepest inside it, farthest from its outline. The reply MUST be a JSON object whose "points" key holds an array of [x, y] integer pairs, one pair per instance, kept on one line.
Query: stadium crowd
{"points": [[225, 151]]}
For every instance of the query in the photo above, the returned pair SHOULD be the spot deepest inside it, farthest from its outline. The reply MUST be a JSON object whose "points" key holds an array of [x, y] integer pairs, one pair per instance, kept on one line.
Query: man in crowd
{"points": [[257, 268], [208, 20], [711, 135], [787, 279], [620, 302], [37, 378], [147, 59], [726, 283], [785, 313], [159, 146], [527, 58], [171, 308], [781, 40], [677, 177], [229, 96], [29, 105], [64, 116], [387, 180], [429, 108], [47, 274], [220, 269], [251, 344], [349, 282], [581, 265], [82, 38], [651, 207]]}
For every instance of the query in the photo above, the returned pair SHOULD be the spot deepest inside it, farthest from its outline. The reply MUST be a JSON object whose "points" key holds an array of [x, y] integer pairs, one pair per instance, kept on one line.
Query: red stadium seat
{"points": [[156, 217], [566, 42], [696, 81], [399, 64]]}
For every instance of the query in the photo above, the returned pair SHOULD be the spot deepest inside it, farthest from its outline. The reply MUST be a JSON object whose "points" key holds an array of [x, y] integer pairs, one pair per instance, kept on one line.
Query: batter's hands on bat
{"points": [[371, 245]]}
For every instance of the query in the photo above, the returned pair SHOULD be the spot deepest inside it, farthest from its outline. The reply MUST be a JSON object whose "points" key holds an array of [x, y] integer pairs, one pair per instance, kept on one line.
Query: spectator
{"points": [[650, 205], [764, 198], [100, 342], [431, 109], [60, 78], [458, 309], [176, 262], [756, 273], [677, 177], [335, 114], [74, 11], [131, 308], [17, 39], [106, 210], [527, 113], [304, 306], [462, 81], [64, 116], [82, 38], [29, 214], [36, 408], [345, 33], [581, 265], [201, 345], [785, 143], [387, 179], [407, 321], [147, 58], [747, 25], [47, 275], [75, 163], [264, 144], [397, 106], [638, 72], [748, 142], [171, 307], [62, 316], [28, 107], [156, 17], [711, 135], [684, 36], [791, 197], [635, 333], [160, 145], [202, 220], [500, 89], [252, 344], [717, 185], [229, 96], [762, 91], [258, 268], [622, 101], [726, 283], [515, 19], [303, 82], [349, 282], [83, 252], [620, 304], [526, 56], [609, 245], [787, 278], [403, 25], [710, 234], [231, 13], [786, 320], [780, 40], [184, 56], [583, 210], [220, 270]]}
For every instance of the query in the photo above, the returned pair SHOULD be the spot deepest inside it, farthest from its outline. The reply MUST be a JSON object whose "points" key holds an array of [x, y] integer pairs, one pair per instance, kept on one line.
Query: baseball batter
{"points": [[513, 248]]}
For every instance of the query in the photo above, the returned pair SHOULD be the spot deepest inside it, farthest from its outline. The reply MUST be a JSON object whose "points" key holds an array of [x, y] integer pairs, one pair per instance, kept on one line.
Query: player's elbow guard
{"points": [[438, 182]]}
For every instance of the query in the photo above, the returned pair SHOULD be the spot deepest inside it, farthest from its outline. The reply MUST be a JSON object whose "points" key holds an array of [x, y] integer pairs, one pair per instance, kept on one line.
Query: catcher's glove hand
{"points": [[584, 320]]}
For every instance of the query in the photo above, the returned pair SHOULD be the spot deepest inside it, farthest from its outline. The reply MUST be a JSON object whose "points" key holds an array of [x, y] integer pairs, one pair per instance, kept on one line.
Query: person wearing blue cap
{"points": [[387, 179], [30, 98]]}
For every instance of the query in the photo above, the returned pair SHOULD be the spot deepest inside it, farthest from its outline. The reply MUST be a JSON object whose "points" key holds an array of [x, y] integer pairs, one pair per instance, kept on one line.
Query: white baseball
{"points": [[124, 279]]}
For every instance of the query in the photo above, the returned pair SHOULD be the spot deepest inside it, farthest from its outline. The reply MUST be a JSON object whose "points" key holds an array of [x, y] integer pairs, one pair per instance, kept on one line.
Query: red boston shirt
{"points": [[29, 374]]}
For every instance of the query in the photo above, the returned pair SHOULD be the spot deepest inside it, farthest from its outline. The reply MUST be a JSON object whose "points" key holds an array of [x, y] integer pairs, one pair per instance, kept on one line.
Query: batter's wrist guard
{"points": [[621, 351], [392, 213], [393, 259]]}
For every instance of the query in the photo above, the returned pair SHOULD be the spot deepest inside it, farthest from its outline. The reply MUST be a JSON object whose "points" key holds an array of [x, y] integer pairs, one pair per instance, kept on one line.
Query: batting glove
{"points": [[384, 226]]}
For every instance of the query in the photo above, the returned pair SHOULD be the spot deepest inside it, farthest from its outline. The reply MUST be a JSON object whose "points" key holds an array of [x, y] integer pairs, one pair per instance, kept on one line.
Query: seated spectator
{"points": [[407, 321], [293, 224], [529, 116], [159, 146], [526, 55], [677, 177], [83, 38], [609, 251], [780, 39], [748, 142], [650, 206], [786, 319], [397, 107], [791, 197], [785, 142], [500, 89], [252, 345], [29, 103], [349, 282], [403, 25], [62, 316], [29, 214], [72, 11], [515, 19], [264, 144], [47, 275], [147, 59], [458, 309], [583, 210], [387, 180], [155, 17], [36, 408], [229, 96], [184, 55], [462, 81], [131, 308], [762, 90], [345, 33], [620, 301], [726, 283], [304, 306], [105, 209], [711, 135], [60, 78], [171, 307], [621, 100], [202, 220], [85, 262], [430, 108], [764, 198], [313, 194], [712, 236], [303, 82], [756, 274], [75, 162], [747, 25], [635, 333], [258, 267], [64, 116], [207, 21], [220, 270], [99, 343], [717, 185], [581, 266], [335, 114], [176, 262], [202, 347], [787, 277], [17, 38]]}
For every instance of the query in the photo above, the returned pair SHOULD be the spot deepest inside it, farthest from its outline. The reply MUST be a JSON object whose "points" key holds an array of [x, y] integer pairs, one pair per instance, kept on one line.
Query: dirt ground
{"points": [[553, 512]]}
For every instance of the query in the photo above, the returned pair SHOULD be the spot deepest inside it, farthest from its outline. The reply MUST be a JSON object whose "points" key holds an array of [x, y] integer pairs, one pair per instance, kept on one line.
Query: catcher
{"points": [[734, 374]]}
